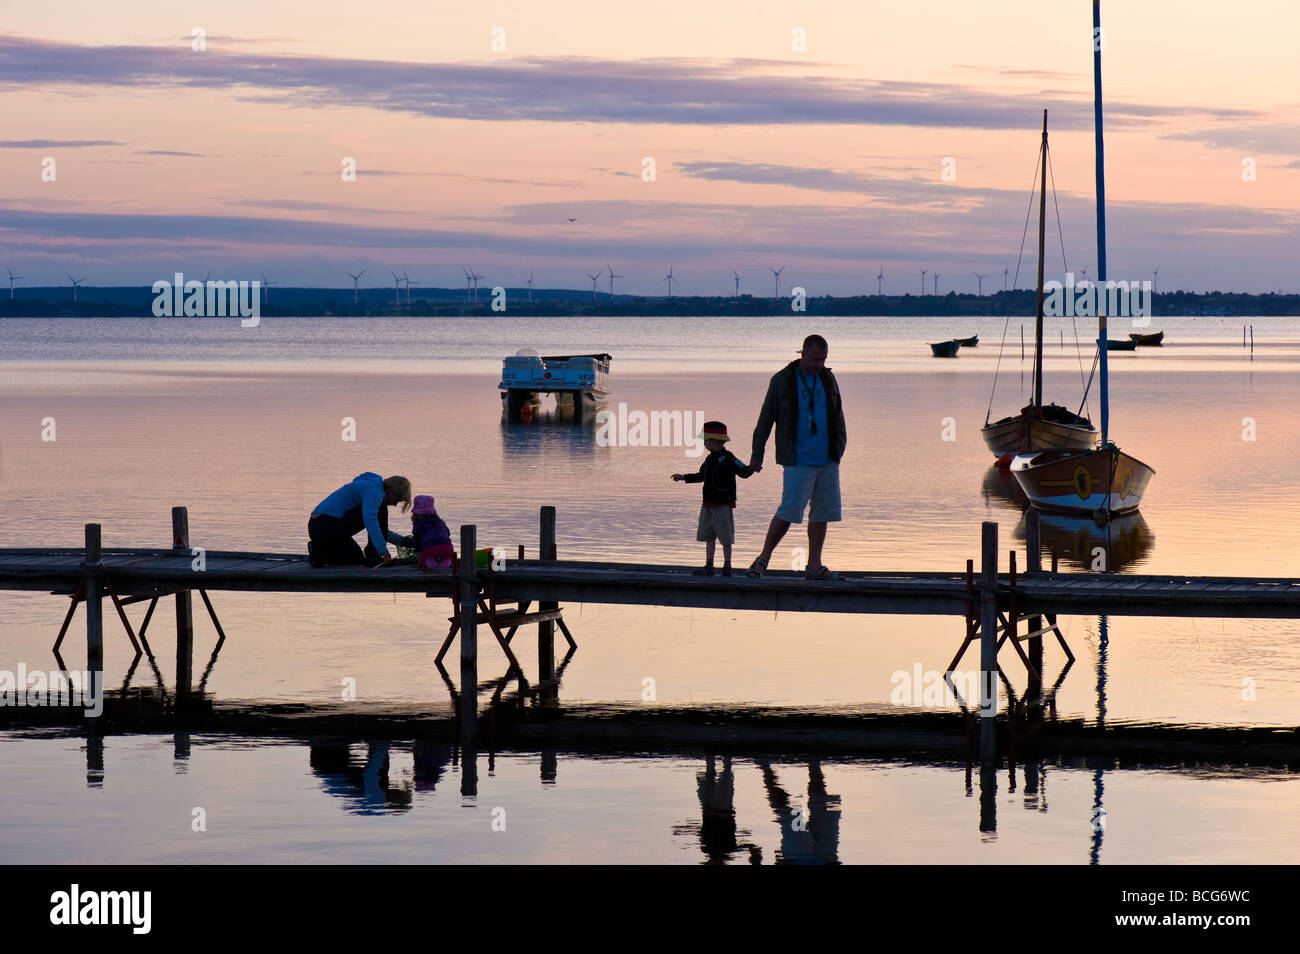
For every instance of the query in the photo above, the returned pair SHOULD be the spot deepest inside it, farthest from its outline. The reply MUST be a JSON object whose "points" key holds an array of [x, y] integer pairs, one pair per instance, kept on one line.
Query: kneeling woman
{"points": [[362, 504]]}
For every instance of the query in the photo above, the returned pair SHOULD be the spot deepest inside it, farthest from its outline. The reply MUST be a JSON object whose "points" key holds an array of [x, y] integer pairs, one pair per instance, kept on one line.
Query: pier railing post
{"points": [[94, 570], [546, 628], [468, 715], [184, 612], [989, 642], [1034, 564]]}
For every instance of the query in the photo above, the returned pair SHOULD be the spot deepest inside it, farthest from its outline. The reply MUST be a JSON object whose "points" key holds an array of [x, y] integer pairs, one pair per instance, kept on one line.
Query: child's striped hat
{"points": [[714, 430]]}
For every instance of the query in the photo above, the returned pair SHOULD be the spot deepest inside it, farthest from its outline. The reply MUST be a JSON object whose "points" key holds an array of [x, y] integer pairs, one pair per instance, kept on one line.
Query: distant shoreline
{"points": [[137, 302]]}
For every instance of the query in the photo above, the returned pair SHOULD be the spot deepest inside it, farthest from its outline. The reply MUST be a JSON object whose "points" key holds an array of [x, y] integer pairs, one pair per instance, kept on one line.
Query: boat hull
{"points": [[1105, 479], [945, 349], [1148, 341], [1026, 434]]}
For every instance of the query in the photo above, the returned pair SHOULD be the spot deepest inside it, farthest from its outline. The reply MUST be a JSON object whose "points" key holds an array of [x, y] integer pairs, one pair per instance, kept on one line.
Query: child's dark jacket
{"points": [[429, 530], [718, 474]]}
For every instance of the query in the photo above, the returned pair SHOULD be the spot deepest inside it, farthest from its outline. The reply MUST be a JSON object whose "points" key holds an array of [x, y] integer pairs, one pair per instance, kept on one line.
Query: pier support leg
{"points": [[546, 628], [94, 595], [468, 714], [989, 643], [1034, 564], [184, 613]]}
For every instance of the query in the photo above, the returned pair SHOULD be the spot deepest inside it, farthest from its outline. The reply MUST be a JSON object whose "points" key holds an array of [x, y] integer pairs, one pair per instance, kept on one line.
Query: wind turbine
{"points": [[1156, 274], [409, 282], [397, 290], [1005, 272], [981, 283], [530, 286], [266, 287], [12, 278], [776, 281], [612, 276], [355, 278], [1083, 274], [670, 278], [880, 281], [469, 277], [595, 278], [936, 284], [76, 283], [476, 276], [923, 281], [736, 275]]}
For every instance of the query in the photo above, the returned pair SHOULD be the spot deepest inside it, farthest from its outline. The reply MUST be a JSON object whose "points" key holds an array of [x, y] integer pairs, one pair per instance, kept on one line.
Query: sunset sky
{"points": [[827, 161]]}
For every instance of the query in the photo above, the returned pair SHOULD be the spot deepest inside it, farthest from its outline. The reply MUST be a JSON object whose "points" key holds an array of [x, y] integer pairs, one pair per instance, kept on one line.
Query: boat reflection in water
{"points": [[554, 428], [1077, 541]]}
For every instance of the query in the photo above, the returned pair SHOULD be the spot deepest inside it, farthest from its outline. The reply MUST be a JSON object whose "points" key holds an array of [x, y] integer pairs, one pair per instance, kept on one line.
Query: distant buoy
{"points": [[526, 413]]}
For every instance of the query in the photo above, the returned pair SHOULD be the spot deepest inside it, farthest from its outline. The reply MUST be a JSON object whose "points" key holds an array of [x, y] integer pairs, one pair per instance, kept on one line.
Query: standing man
{"points": [[803, 401]]}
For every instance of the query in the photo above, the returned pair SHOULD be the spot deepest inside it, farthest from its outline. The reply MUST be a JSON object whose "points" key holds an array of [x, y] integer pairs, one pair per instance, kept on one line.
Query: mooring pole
{"points": [[1034, 565], [989, 642], [468, 715], [94, 570], [546, 628], [184, 612]]}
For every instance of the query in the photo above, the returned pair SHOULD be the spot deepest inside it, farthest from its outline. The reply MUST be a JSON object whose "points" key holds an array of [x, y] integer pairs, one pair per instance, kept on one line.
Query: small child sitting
{"points": [[718, 473], [431, 538]]}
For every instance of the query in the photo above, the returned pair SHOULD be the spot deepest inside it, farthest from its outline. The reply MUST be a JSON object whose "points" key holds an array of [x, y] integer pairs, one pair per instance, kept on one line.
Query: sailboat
{"points": [[1104, 480], [1038, 426]]}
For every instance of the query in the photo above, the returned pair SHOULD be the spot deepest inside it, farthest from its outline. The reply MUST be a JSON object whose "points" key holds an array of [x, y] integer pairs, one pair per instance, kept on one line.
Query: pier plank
{"points": [[141, 571]]}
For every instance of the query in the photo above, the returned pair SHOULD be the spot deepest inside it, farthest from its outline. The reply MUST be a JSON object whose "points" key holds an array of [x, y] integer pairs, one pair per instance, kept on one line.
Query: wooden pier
{"points": [[993, 603]]}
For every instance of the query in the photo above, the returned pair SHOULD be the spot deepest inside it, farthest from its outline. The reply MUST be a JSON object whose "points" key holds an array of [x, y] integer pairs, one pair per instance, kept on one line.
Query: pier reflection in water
{"points": [[723, 804]]}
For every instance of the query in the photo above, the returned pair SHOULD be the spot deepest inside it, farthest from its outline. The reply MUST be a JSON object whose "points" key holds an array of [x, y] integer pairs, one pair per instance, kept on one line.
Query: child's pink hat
{"points": [[423, 504]]}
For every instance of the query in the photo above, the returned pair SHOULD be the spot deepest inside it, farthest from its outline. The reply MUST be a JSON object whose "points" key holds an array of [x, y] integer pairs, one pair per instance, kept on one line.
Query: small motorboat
{"points": [[1146, 341], [1114, 345], [970, 342], [946, 349]]}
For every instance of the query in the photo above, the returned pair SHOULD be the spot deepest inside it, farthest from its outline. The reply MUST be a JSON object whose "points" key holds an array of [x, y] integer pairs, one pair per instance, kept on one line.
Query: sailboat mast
{"points": [[1102, 334], [1042, 233]]}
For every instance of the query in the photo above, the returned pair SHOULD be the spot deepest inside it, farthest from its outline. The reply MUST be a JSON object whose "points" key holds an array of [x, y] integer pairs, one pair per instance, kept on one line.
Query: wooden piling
{"points": [[184, 612], [1034, 565], [546, 628], [988, 641], [468, 574], [94, 595], [467, 714]]}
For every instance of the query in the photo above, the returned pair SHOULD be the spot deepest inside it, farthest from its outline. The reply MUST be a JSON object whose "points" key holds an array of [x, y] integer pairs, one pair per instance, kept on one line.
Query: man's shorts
{"points": [[717, 522], [815, 485]]}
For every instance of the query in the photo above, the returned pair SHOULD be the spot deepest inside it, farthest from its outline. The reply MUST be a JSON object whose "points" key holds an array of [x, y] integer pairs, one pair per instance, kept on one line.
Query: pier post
{"points": [[468, 715], [989, 642], [184, 612], [546, 628], [94, 565], [1034, 564]]}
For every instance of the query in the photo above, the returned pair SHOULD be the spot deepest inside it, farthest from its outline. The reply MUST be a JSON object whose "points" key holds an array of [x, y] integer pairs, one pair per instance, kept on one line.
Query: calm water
{"points": [[244, 427], [337, 802]]}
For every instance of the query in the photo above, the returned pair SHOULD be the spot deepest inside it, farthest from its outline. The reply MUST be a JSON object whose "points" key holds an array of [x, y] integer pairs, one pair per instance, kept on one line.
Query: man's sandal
{"points": [[821, 573], [756, 568]]}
